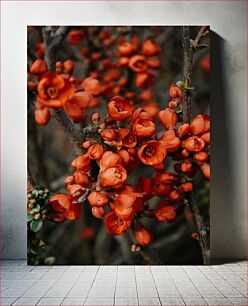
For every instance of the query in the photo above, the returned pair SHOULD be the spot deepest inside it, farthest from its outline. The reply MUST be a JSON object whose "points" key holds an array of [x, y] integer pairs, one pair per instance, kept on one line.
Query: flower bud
{"points": [[168, 118]]}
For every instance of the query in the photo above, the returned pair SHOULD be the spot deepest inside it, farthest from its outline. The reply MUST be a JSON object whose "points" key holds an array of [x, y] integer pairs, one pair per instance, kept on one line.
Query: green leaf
{"points": [[36, 225], [35, 193], [50, 260], [36, 208], [34, 250], [180, 84], [30, 218]]}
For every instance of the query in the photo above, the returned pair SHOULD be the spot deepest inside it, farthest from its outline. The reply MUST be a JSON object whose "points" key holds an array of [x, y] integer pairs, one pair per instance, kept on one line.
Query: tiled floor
{"points": [[123, 285]]}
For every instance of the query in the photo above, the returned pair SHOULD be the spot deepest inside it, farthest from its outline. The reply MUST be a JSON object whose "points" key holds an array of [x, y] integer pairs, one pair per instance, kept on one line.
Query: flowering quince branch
{"points": [[188, 54], [110, 149]]}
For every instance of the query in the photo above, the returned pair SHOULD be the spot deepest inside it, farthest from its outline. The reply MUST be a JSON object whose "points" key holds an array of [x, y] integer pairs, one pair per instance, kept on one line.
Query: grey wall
{"points": [[229, 104]]}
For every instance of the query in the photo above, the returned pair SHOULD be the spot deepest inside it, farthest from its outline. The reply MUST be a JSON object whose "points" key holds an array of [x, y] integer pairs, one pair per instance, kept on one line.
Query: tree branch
{"points": [[52, 41], [188, 54]]}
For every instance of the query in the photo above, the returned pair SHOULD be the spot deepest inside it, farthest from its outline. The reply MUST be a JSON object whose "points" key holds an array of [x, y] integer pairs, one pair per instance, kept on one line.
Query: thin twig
{"points": [[30, 180], [188, 54], [52, 41]]}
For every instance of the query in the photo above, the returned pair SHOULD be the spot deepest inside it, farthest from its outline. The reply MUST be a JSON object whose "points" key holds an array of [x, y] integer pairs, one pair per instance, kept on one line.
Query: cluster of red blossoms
{"points": [[128, 138], [61, 90]]}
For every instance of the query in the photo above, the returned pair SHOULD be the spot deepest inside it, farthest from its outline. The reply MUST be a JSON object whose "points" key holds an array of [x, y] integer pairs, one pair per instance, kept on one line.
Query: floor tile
{"points": [[50, 301], [171, 301], [99, 302], [73, 301], [121, 301], [149, 302], [26, 301], [217, 301]]}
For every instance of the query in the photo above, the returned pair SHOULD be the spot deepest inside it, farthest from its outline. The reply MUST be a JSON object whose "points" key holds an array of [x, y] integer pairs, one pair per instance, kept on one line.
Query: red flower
{"points": [[75, 37], [54, 91], [187, 187], [126, 48], [81, 162], [38, 67], [175, 92], [63, 204], [97, 199], [166, 213], [81, 178], [145, 79], [145, 187], [137, 63], [201, 156], [206, 170], [68, 66], [95, 152], [113, 177], [170, 141], [144, 127], [152, 153], [194, 144], [119, 109], [92, 86], [183, 130], [150, 48], [142, 235], [108, 134], [116, 226], [98, 212], [200, 125], [42, 114], [127, 138], [109, 159], [168, 118]]}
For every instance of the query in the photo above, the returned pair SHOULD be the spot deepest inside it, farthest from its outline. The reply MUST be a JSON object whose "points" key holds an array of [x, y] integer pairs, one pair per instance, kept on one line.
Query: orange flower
{"points": [[113, 177], [81, 178], [166, 213], [151, 109], [125, 156], [200, 125], [152, 153], [42, 114], [154, 63], [109, 160], [201, 156], [150, 48], [98, 212], [97, 199], [175, 92], [144, 79], [116, 226], [205, 63], [63, 200], [127, 202], [81, 162], [92, 86], [167, 177], [175, 195], [146, 95], [54, 91], [123, 61], [108, 135], [38, 67], [206, 170], [145, 187], [73, 110], [68, 66], [194, 144], [63, 204], [95, 118], [144, 127], [137, 63], [168, 118], [161, 189], [75, 190], [170, 141], [187, 187], [119, 109], [75, 37], [183, 130], [187, 166], [142, 235], [95, 152], [206, 137], [127, 138], [126, 48]]}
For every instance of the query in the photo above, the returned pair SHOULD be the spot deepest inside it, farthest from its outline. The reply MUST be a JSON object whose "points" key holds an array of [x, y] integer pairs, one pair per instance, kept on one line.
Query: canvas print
{"points": [[118, 145]]}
